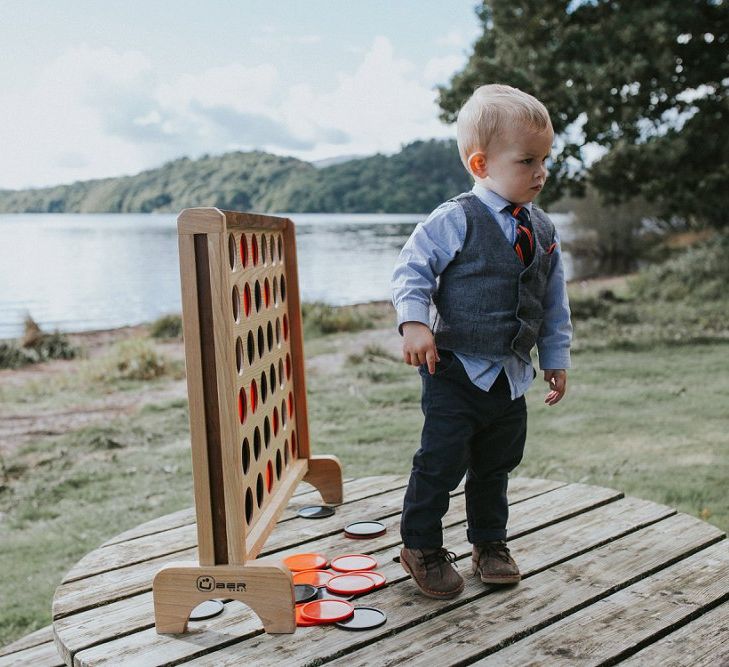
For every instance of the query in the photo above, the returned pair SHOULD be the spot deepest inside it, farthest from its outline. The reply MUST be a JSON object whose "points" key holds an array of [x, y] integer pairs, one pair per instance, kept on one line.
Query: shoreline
{"points": [[584, 286]]}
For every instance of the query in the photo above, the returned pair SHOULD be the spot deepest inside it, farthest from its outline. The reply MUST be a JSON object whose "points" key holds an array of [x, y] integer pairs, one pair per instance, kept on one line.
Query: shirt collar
{"points": [[493, 200]]}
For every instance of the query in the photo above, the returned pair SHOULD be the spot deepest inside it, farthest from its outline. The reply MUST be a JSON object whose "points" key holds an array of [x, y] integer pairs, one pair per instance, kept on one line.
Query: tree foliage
{"points": [[415, 180], [647, 81]]}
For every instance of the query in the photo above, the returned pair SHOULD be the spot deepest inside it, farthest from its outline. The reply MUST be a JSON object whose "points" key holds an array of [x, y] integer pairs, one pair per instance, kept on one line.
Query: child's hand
{"points": [[418, 345], [557, 380]]}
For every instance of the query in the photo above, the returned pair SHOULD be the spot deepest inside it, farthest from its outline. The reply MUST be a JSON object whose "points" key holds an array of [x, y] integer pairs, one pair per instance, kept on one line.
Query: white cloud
{"points": [[455, 39], [440, 70], [384, 103], [54, 132]]}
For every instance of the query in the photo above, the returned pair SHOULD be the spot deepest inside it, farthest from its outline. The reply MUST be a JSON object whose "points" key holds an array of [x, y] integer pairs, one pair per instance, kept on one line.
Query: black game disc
{"points": [[304, 593], [364, 529], [207, 609], [315, 512], [364, 618], [323, 594]]}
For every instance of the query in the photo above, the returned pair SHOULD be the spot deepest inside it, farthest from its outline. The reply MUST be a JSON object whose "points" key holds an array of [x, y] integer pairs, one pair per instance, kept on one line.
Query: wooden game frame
{"points": [[243, 350]]}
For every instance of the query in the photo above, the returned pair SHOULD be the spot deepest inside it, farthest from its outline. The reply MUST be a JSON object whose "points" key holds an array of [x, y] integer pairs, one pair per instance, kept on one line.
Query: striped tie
{"points": [[524, 244]]}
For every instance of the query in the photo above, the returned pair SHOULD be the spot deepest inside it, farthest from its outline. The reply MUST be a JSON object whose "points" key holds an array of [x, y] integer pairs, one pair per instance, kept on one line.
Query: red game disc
{"points": [[326, 611], [314, 577], [350, 584], [301, 562], [300, 620], [353, 563], [379, 578]]}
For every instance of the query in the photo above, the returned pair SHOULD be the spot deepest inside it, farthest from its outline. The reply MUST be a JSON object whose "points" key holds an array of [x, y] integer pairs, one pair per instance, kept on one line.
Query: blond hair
{"points": [[490, 110]]}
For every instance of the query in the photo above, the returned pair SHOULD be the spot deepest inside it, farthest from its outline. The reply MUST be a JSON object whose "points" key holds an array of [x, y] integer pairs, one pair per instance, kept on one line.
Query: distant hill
{"points": [[415, 180]]}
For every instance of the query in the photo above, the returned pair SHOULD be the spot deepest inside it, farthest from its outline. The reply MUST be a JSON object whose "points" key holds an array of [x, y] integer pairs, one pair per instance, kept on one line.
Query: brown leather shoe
{"points": [[493, 563], [432, 571]]}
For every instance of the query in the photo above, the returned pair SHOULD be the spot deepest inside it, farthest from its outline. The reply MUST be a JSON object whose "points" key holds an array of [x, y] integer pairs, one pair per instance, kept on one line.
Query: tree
{"points": [[647, 81]]}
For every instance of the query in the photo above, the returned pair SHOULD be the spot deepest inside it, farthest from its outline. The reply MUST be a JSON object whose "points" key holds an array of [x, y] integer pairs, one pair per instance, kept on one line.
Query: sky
{"points": [[92, 89]]}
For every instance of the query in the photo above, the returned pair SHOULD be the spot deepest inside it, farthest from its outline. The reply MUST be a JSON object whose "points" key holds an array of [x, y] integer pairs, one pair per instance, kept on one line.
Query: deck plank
{"points": [[130, 614], [41, 655], [82, 629], [621, 622], [580, 548], [126, 581], [704, 642], [500, 615], [239, 623]]}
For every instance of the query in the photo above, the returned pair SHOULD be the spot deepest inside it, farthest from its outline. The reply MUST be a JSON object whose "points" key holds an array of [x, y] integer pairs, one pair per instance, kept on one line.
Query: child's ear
{"points": [[477, 165]]}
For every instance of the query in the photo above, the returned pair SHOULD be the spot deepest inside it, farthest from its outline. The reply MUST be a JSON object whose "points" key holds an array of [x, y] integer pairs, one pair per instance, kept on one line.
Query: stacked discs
{"points": [[322, 595]]}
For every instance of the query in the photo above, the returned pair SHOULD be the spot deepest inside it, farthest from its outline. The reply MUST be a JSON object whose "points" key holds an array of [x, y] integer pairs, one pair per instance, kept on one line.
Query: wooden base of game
{"points": [[266, 587]]}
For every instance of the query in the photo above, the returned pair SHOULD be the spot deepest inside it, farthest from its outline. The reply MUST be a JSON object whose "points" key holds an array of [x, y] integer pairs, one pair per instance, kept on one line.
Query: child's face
{"points": [[515, 163]]}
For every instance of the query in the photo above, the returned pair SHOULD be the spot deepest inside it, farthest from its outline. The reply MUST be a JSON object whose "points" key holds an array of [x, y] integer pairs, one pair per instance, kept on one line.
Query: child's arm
{"points": [[555, 336], [430, 248]]}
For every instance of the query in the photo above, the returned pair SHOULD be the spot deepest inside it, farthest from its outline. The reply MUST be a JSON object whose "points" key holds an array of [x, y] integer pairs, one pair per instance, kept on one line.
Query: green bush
{"points": [[320, 319], [12, 356], [133, 359], [167, 326], [42, 347], [680, 301], [613, 237], [698, 274]]}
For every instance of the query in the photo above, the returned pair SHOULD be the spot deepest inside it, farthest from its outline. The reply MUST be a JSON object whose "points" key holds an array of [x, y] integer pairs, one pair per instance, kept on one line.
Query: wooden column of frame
{"points": [[248, 420]]}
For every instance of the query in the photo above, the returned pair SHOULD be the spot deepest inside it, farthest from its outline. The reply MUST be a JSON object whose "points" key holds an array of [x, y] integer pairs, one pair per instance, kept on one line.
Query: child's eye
{"points": [[527, 161]]}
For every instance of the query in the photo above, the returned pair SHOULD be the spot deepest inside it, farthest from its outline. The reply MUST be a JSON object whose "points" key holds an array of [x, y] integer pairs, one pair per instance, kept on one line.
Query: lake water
{"points": [[78, 272]]}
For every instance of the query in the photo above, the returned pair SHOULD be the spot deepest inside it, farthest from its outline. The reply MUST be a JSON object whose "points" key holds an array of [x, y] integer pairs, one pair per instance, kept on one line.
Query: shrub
{"points": [[319, 319], [167, 326], [614, 236], [700, 274], [36, 346], [133, 359]]}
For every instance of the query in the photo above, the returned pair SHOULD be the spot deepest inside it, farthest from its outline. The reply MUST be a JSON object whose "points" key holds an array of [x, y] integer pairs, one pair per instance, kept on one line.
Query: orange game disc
{"points": [[350, 583], [326, 611], [301, 562], [353, 563], [300, 620], [313, 577], [379, 579]]}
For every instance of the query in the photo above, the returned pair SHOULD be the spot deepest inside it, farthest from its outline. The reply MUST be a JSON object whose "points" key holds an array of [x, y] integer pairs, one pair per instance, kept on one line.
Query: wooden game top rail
{"points": [[607, 578], [211, 220]]}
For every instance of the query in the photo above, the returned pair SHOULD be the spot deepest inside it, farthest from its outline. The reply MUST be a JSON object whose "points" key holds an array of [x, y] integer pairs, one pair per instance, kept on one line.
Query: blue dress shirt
{"points": [[425, 255]]}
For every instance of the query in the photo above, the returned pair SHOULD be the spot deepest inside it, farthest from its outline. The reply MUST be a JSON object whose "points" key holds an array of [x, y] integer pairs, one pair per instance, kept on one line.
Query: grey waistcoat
{"points": [[487, 303]]}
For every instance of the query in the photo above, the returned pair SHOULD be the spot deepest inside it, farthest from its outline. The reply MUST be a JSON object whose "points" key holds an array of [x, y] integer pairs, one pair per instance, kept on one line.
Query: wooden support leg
{"points": [[268, 589], [325, 473]]}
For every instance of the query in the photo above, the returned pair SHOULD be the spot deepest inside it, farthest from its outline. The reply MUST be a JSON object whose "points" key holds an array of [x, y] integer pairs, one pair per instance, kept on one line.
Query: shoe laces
{"points": [[498, 549], [438, 557]]}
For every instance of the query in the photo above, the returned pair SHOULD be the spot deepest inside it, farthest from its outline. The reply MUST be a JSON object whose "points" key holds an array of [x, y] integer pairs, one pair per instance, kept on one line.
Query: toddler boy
{"points": [[490, 262]]}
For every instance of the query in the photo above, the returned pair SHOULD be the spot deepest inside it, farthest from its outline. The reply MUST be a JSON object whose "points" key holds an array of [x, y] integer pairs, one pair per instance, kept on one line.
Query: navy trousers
{"points": [[466, 431]]}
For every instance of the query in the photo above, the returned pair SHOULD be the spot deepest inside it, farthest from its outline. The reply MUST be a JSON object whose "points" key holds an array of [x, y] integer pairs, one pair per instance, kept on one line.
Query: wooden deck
{"points": [[607, 579]]}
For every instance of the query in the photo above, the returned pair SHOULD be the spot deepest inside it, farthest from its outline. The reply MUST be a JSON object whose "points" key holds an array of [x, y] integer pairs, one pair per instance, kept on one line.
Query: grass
{"points": [[61, 497], [643, 414]]}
